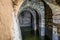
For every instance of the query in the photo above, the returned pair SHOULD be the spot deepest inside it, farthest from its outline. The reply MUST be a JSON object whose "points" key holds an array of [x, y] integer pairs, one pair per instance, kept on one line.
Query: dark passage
{"points": [[27, 26], [27, 22]]}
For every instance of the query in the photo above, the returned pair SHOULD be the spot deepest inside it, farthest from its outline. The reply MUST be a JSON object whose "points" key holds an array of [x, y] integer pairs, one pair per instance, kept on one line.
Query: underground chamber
{"points": [[29, 24], [33, 21]]}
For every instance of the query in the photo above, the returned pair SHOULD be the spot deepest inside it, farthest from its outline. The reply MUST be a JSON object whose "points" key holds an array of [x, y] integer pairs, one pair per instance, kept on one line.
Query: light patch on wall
{"points": [[16, 32]]}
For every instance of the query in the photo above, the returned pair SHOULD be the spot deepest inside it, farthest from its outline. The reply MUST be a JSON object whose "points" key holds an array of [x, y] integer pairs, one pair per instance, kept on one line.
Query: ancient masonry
{"points": [[11, 19]]}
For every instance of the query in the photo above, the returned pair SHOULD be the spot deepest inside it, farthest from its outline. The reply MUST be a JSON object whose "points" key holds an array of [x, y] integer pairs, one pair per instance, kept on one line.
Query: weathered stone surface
{"points": [[56, 15], [6, 7], [17, 4], [5, 19]]}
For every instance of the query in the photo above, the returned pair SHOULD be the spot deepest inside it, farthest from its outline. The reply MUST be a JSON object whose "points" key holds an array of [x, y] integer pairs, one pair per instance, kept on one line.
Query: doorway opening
{"points": [[28, 20]]}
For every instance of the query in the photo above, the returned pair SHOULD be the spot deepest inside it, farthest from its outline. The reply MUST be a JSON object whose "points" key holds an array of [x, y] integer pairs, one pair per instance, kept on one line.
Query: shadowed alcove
{"points": [[28, 20], [48, 22]]}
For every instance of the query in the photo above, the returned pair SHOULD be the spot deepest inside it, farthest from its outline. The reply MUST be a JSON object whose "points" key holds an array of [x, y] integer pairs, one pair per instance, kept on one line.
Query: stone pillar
{"points": [[42, 25]]}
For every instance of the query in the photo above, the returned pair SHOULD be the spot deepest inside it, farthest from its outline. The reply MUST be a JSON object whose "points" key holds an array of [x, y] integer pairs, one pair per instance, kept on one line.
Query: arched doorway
{"points": [[29, 23]]}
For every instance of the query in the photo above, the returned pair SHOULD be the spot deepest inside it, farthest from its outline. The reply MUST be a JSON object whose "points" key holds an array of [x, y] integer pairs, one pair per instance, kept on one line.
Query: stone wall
{"points": [[5, 19], [6, 9]]}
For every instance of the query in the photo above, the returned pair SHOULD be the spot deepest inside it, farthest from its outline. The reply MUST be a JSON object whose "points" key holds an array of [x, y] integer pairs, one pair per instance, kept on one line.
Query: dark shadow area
{"points": [[47, 37], [26, 21], [58, 2], [48, 22]]}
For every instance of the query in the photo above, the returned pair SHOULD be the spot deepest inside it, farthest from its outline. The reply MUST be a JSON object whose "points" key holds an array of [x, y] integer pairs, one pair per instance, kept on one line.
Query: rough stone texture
{"points": [[55, 10], [6, 16], [17, 4], [5, 19], [6, 7], [56, 15]]}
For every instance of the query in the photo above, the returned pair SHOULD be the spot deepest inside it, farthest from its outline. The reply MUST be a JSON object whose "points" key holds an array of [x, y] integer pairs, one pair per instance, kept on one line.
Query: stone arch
{"points": [[33, 13], [48, 21]]}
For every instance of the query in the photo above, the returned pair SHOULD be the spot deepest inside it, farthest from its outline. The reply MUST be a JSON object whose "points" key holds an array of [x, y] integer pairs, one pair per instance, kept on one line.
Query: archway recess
{"points": [[28, 22]]}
